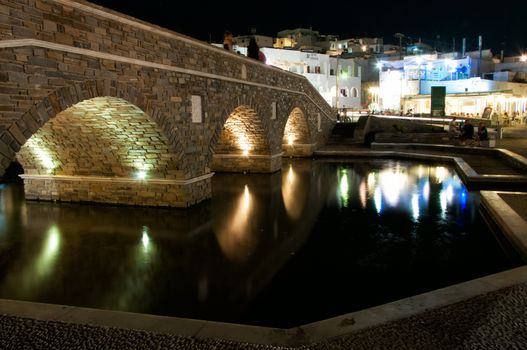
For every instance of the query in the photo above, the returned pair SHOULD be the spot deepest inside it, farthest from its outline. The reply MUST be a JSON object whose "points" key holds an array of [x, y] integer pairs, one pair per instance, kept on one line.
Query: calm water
{"points": [[319, 239]]}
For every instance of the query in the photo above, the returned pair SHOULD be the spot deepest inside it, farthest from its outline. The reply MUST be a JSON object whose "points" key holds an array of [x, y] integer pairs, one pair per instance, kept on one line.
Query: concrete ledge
{"points": [[112, 190], [303, 335], [511, 224]]}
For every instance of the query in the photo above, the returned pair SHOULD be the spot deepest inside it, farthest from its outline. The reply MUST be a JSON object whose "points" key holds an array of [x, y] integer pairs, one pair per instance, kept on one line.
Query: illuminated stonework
{"points": [[297, 139], [243, 145], [103, 136]]}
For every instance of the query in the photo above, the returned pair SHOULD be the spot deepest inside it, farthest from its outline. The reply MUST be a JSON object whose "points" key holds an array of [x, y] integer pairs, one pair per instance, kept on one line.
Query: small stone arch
{"points": [[296, 140], [242, 144]]}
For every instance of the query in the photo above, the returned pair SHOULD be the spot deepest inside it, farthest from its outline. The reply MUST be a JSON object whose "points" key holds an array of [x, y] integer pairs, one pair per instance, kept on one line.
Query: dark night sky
{"points": [[502, 28]]}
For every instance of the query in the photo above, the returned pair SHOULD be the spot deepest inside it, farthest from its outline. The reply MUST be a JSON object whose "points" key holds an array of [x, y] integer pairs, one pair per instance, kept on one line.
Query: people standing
{"points": [[228, 41], [253, 51]]}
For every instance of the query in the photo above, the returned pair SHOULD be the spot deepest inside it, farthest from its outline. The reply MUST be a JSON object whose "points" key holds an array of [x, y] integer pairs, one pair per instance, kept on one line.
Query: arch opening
{"points": [[108, 150], [296, 141], [243, 144]]}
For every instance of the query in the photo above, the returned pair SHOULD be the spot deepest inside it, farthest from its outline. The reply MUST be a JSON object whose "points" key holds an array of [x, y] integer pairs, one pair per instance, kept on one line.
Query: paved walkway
{"points": [[496, 320]]}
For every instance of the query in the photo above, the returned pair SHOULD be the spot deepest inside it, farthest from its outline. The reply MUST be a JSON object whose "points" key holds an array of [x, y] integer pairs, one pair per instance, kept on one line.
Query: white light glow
{"points": [[290, 139], [141, 175], [145, 239], [426, 190], [393, 183], [344, 188], [377, 198], [415, 206], [523, 58]]}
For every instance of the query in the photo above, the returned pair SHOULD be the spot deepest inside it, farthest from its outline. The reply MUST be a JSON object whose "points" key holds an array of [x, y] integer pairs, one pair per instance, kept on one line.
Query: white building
{"points": [[321, 71], [406, 85]]}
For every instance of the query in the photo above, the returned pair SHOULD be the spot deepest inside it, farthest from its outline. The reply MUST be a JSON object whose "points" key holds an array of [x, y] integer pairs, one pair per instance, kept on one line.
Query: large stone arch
{"points": [[241, 142], [157, 177], [103, 136]]}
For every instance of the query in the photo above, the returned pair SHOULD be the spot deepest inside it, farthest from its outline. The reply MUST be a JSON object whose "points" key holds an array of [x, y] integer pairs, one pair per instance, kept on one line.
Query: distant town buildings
{"points": [[398, 78]]}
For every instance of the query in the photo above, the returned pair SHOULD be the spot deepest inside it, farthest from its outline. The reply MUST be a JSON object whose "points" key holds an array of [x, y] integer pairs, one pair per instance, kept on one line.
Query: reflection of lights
{"points": [[235, 235], [415, 206], [449, 193], [49, 252], [246, 198], [443, 203], [362, 194], [392, 183], [463, 198], [293, 194], [440, 174], [426, 190], [344, 188], [290, 175], [371, 182], [145, 239], [377, 197]]}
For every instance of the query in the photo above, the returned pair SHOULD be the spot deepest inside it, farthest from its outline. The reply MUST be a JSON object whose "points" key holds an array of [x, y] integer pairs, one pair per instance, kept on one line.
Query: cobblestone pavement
{"points": [[496, 320]]}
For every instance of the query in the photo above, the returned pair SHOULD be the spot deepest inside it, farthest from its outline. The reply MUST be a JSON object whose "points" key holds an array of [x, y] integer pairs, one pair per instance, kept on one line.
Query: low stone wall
{"points": [[159, 193], [238, 163], [436, 138], [298, 150]]}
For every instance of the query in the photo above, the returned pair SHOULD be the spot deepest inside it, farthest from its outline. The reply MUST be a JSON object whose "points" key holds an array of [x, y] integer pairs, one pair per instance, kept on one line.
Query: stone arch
{"points": [[296, 140], [21, 130], [100, 176], [241, 142], [102, 136]]}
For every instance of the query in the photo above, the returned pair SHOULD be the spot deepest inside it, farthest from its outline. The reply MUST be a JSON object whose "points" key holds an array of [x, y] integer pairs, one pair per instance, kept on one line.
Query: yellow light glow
{"points": [[523, 58], [234, 233], [362, 194], [42, 154], [290, 139]]}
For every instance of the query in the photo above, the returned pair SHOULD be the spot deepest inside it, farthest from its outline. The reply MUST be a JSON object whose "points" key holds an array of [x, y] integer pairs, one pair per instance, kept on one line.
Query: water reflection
{"points": [[256, 249], [405, 188]]}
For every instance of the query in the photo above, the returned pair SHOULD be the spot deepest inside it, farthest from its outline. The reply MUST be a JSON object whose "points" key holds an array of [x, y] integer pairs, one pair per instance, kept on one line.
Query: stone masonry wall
{"points": [[144, 193]]}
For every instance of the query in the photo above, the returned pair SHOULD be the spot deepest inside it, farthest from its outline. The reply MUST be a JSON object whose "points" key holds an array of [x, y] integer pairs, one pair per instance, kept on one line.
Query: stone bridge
{"points": [[101, 107]]}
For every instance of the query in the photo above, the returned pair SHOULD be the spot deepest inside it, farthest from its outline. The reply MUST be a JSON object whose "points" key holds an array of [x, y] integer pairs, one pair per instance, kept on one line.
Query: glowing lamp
{"points": [[141, 175], [523, 58]]}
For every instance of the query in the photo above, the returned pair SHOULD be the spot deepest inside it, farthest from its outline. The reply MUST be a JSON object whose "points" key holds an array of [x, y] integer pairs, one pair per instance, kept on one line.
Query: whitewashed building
{"points": [[342, 89]]}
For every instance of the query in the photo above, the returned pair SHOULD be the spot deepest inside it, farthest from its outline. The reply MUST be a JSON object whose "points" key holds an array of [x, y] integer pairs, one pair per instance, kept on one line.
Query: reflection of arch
{"points": [[294, 194], [243, 133], [103, 136], [354, 92]]}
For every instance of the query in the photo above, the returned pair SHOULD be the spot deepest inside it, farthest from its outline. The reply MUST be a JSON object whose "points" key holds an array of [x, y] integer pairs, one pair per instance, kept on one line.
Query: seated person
{"points": [[467, 132], [483, 134], [453, 128]]}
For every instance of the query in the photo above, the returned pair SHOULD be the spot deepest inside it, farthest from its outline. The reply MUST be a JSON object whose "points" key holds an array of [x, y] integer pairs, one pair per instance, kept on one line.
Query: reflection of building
{"points": [[321, 71], [407, 84]]}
